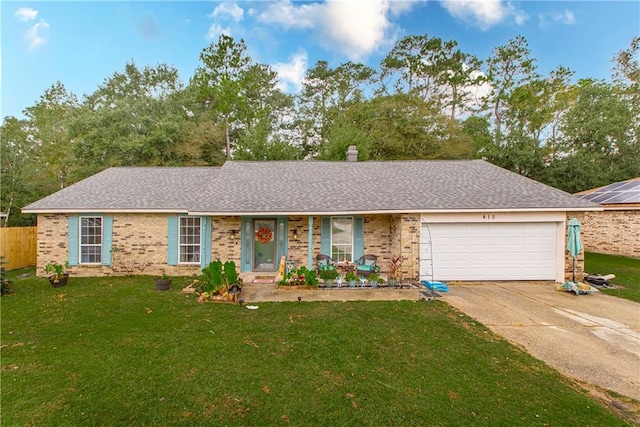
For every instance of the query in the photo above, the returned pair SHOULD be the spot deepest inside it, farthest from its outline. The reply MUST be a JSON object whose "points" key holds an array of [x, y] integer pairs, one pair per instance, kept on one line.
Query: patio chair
{"points": [[324, 261], [366, 265]]}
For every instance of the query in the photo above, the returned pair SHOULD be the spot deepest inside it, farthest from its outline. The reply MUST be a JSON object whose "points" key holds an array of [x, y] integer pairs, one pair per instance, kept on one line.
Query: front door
{"points": [[264, 245]]}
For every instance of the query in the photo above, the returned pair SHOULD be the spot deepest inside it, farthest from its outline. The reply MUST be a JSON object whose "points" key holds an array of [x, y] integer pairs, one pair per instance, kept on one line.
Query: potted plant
{"points": [[60, 276], [328, 275], [374, 280], [394, 271], [351, 279], [163, 283], [311, 278], [220, 282]]}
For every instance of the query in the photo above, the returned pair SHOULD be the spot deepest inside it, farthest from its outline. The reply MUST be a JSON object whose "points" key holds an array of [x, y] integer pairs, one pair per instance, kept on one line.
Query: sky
{"points": [[82, 44]]}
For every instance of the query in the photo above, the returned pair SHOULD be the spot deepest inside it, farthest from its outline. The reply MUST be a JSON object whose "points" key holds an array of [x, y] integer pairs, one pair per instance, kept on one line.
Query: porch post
{"points": [[310, 244]]}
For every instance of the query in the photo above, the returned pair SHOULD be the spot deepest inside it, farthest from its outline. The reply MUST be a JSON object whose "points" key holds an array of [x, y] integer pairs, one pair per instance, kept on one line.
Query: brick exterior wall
{"points": [[140, 244], [52, 241], [613, 232]]}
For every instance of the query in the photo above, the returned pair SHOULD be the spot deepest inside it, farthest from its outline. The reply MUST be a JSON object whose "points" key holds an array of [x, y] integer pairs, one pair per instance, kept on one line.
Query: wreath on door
{"points": [[264, 235]]}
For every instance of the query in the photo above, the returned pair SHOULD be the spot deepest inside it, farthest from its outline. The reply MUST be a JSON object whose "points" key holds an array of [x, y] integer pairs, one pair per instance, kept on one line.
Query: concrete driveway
{"points": [[593, 338]]}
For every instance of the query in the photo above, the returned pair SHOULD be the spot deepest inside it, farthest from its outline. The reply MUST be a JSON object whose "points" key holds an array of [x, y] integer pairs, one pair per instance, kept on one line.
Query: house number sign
{"points": [[488, 217]]}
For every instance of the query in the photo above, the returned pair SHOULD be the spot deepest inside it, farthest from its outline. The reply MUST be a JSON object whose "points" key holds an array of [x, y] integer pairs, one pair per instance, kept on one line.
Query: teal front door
{"points": [[264, 245]]}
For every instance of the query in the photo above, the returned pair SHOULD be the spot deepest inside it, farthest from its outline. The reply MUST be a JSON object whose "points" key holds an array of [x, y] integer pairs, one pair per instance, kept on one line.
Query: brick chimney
{"points": [[352, 154]]}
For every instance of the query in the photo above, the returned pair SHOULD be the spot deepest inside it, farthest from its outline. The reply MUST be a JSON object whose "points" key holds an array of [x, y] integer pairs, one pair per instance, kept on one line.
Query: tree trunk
{"points": [[228, 142]]}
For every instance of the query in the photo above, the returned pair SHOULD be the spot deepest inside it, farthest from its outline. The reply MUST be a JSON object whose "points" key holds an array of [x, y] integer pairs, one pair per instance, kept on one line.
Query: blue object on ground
{"points": [[436, 286]]}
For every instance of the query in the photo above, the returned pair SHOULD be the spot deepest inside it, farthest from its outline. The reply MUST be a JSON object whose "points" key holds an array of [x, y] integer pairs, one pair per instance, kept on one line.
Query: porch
{"points": [[258, 244]]}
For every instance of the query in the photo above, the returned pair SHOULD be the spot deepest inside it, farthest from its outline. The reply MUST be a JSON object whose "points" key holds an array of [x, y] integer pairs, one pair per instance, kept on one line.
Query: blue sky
{"points": [[83, 43]]}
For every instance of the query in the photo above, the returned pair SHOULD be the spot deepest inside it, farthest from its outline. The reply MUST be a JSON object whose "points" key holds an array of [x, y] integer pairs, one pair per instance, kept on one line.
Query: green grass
{"points": [[114, 351], [627, 271]]}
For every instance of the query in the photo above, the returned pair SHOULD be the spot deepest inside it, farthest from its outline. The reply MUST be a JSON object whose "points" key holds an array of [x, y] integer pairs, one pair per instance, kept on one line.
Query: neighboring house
{"points": [[449, 220], [616, 230]]}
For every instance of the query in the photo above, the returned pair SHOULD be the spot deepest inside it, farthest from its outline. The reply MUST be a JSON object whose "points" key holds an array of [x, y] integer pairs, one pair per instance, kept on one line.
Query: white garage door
{"points": [[490, 251]]}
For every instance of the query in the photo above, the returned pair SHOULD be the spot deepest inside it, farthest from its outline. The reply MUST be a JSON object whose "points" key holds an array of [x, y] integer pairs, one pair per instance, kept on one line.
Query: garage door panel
{"points": [[494, 251]]}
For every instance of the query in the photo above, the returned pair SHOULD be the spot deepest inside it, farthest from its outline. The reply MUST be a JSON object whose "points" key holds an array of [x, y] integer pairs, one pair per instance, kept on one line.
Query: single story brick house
{"points": [[463, 220], [616, 229]]}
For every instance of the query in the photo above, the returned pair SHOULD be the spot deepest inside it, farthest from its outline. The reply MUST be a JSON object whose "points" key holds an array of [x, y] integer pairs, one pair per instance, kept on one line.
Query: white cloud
{"points": [[26, 14], [356, 28], [565, 17], [215, 31], [289, 16], [292, 73], [519, 16], [34, 35], [484, 13], [230, 9], [398, 7]]}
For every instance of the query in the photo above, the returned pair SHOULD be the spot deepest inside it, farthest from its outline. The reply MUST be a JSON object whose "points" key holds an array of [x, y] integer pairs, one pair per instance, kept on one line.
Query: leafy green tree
{"points": [[397, 127], [406, 68], [508, 67], [477, 128], [241, 95], [325, 95], [219, 80], [626, 78], [135, 118], [17, 180], [596, 147], [433, 69], [49, 122]]}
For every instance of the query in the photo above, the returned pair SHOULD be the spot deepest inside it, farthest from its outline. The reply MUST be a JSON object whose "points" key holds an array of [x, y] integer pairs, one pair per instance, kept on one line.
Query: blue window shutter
{"points": [[172, 240], [358, 237], [325, 236], [205, 241], [246, 250], [72, 240], [107, 239]]}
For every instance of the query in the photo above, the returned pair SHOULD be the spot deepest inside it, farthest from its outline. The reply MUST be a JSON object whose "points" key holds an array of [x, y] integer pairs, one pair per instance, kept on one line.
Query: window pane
{"points": [[342, 238], [90, 240], [189, 239], [91, 254]]}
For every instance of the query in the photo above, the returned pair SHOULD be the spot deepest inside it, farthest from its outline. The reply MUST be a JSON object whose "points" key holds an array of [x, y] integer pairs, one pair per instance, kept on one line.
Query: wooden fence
{"points": [[18, 246]]}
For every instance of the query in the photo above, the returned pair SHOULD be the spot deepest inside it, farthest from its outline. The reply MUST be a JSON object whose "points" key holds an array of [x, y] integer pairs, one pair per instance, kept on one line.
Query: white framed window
{"points": [[342, 238], [90, 239], [189, 240]]}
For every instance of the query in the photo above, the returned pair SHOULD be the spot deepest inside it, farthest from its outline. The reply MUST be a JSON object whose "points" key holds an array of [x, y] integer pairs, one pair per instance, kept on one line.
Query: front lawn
{"points": [[114, 351], [627, 271]]}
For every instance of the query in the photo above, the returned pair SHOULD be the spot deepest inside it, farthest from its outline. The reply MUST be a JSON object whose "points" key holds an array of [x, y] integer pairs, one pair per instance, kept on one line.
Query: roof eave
{"points": [[306, 213], [383, 212], [101, 210]]}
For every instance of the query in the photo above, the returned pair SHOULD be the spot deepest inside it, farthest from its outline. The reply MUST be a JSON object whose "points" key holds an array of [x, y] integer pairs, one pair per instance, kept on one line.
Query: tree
{"points": [[219, 81], [406, 68], [596, 145], [397, 127], [49, 122], [432, 69], [325, 95], [508, 67], [136, 117], [16, 179], [626, 78]]}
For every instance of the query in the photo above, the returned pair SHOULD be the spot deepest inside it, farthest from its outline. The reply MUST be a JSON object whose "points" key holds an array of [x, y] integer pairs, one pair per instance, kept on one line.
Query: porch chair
{"points": [[324, 261], [366, 265]]}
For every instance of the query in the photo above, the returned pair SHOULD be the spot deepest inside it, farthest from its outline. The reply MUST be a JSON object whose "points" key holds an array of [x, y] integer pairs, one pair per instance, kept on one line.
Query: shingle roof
{"points": [[131, 188], [314, 187]]}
